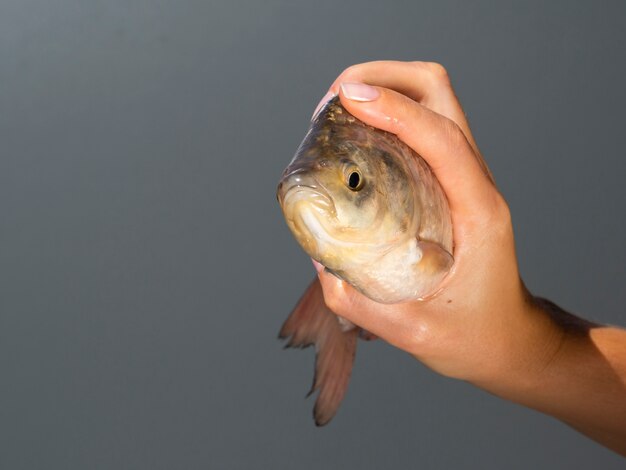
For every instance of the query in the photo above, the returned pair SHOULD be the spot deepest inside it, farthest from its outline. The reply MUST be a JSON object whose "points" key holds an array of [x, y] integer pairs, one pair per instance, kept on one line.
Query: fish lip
{"points": [[314, 197], [314, 188], [308, 188]]}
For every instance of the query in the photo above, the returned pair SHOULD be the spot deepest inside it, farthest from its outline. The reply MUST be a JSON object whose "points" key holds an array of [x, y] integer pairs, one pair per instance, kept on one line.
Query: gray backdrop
{"points": [[145, 268]]}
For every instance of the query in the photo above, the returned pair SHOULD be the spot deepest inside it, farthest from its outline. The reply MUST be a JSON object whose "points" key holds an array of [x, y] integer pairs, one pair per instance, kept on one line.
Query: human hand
{"points": [[482, 325]]}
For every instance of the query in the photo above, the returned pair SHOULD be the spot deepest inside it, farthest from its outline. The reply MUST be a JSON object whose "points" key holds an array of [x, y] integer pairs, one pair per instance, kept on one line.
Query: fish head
{"points": [[346, 196]]}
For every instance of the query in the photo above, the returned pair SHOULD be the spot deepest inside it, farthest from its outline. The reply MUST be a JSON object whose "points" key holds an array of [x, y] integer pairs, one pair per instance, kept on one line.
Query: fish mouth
{"points": [[301, 186], [314, 195], [309, 212]]}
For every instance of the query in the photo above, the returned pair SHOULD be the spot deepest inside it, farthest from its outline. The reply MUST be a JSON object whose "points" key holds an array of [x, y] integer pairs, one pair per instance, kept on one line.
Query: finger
{"points": [[436, 138], [347, 302], [425, 82], [400, 325]]}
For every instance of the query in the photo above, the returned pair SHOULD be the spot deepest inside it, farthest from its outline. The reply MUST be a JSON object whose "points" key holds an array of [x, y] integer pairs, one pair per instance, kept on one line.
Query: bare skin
{"points": [[483, 326]]}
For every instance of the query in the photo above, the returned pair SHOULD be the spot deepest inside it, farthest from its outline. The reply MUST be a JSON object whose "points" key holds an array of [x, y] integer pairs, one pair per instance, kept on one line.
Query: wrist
{"points": [[534, 342]]}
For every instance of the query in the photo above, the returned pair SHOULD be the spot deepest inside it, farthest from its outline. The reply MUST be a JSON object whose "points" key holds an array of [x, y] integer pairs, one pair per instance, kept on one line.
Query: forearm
{"points": [[579, 378], [482, 326]]}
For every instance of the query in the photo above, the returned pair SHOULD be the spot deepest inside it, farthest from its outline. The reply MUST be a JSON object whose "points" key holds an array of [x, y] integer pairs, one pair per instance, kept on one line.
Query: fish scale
{"points": [[368, 208]]}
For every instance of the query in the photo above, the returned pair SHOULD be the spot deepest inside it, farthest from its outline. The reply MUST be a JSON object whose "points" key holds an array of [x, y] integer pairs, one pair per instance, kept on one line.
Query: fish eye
{"points": [[354, 180]]}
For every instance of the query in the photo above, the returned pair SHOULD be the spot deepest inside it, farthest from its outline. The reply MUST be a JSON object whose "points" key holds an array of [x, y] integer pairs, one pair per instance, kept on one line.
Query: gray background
{"points": [[145, 268]]}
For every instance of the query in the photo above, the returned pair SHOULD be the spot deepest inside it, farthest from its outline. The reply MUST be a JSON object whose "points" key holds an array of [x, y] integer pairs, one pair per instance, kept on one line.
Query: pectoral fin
{"points": [[431, 265], [435, 260]]}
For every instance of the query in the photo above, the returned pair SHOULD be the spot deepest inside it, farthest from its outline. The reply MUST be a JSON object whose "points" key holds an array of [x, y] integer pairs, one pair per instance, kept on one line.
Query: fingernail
{"points": [[322, 102], [318, 267], [359, 91]]}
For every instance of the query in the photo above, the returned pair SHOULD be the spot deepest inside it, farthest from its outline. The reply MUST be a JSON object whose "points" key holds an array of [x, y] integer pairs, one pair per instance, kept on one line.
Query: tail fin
{"points": [[311, 322]]}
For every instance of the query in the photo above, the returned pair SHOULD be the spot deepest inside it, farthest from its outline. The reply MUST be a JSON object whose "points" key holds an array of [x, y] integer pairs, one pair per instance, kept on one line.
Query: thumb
{"points": [[339, 296], [383, 320]]}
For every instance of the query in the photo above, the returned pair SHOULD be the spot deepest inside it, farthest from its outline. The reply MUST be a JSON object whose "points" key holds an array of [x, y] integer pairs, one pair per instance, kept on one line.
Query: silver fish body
{"points": [[368, 208], [390, 235]]}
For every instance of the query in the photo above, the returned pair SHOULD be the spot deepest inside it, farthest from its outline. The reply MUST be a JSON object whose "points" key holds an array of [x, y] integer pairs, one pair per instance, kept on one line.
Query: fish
{"points": [[369, 209]]}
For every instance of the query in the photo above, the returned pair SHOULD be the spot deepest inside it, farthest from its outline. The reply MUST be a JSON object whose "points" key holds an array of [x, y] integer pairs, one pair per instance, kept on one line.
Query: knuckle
{"points": [[334, 298], [498, 206], [437, 72], [496, 218], [334, 304], [417, 338], [502, 207], [502, 211], [454, 134]]}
